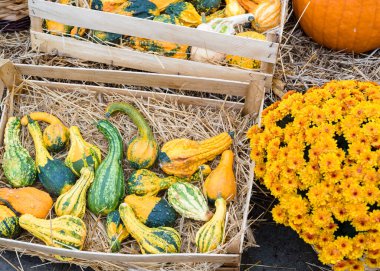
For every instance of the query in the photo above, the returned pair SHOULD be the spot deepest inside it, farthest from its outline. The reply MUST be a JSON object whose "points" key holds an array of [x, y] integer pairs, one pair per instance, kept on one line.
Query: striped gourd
{"points": [[52, 173], [151, 240], [182, 157], [73, 202], [210, 235], [108, 188], [63, 232], [81, 153], [142, 149], [18, 165], [188, 201], [9, 226], [152, 211], [145, 182], [116, 231]]}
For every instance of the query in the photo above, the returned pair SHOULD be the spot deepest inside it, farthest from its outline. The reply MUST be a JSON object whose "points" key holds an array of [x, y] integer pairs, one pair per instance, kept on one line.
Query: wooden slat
{"points": [[117, 257], [143, 94], [138, 79], [9, 74], [255, 96], [132, 26], [138, 60]]}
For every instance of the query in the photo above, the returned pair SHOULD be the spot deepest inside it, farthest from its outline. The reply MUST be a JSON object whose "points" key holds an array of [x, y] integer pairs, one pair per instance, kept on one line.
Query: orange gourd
{"points": [[221, 182], [27, 200], [266, 15], [349, 25]]}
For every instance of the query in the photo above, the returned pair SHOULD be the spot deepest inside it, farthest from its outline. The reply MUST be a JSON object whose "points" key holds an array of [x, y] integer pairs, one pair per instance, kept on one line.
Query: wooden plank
{"points": [[139, 60], [227, 268], [132, 26], [35, 23], [269, 67], [254, 98], [4, 112], [200, 84], [8, 74], [118, 257], [144, 94]]}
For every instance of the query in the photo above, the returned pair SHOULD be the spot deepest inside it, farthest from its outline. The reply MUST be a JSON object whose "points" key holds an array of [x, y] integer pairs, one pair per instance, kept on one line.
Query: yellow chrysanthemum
{"points": [[330, 254], [342, 266], [279, 214], [322, 217], [344, 244], [357, 266], [372, 263], [329, 162]]}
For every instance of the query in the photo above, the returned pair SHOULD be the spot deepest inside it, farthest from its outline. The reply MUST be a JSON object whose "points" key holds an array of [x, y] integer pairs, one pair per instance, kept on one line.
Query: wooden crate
{"points": [[265, 51], [12, 75]]}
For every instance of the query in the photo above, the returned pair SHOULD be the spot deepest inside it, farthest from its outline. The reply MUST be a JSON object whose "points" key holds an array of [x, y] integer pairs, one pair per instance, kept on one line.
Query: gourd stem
{"points": [[113, 137], [136, 117], [41, 116]]}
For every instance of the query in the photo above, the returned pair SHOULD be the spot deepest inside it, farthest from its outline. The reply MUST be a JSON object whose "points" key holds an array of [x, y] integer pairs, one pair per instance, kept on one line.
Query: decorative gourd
{"points": [[81, 153], [143, 149], [182, 157], [188, 201], [163, 4], [73, 202], [108, 188], [165, 48], [217, 14], [56, 135], [249, 5], [233, 8], [18, 165], [52, 173], [56, 28], [9, 226], [144, 9], [206, 6], [245, 62], [150, 240], [63, 232], [352, 26], [152, 211], [145, 182], [27, 200], [185, 12], [210, 235], [267, 15], [219, 25], [221, 182], [78, 31], [116, 231]]}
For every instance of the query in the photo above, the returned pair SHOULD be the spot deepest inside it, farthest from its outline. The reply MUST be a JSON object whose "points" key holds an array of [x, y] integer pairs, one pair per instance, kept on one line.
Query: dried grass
{"points": [[168, 120]]}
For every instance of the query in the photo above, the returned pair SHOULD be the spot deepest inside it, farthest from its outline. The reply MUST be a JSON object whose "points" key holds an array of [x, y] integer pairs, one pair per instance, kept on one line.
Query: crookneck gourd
{"points": [[9, 222], [116, 231], [73, 202], [150, 240], [152, 211], [108, 188], [56, 134], [206, 6], [210, 235], [182, 157], [81, 153], [142, 149], [63, 232], [19, 167], [188, 201], [145, 182], [144, 9], [221, 182], [52, 173], [27, 200], [185, 12]]}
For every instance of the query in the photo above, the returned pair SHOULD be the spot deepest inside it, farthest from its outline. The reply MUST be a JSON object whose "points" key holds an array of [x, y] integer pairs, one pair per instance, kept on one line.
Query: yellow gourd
{"points": [[221, 182], [182, 157], [233, 8], [210, 235]]}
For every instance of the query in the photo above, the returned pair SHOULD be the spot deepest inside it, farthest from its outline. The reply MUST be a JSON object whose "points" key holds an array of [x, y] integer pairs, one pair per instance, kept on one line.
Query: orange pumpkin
{"points": [[349, 25]]}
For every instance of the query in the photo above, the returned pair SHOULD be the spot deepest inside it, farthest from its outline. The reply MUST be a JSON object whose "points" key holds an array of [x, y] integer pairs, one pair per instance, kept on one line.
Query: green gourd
{"points": [[142, 150], [9, 222], [145, 182], [152, 211], [206, 6], [18, 165], [52, 173], [188, 201], [108, 188], [151, 240], [67, 231], [73, 202], [116, 231], [81, 153]]}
